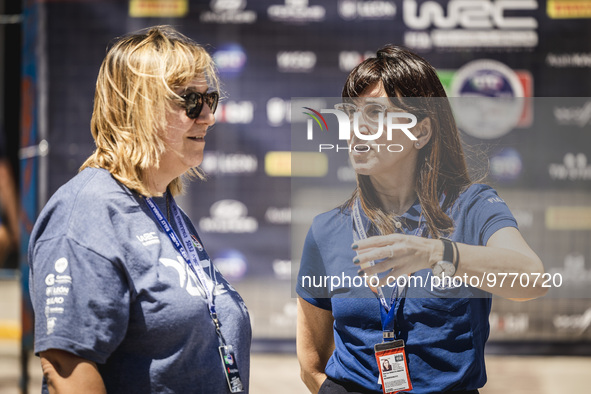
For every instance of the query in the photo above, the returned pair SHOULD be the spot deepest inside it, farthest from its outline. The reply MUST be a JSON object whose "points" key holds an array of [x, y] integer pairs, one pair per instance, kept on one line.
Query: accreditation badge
{"points": [[391, 359], [231, 369]]}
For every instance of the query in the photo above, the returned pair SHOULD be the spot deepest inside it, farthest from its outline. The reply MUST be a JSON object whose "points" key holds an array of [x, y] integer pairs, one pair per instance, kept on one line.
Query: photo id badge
{"points": [[391, 359], [231, 369]]}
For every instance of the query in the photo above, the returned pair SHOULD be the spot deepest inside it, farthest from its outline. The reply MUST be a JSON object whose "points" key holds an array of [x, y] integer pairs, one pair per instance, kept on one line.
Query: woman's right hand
{"points": [[67, 373]]}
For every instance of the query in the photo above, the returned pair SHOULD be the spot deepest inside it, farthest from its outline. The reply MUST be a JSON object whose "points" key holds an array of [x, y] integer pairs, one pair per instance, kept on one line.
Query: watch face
{"points": [[444, 268]]}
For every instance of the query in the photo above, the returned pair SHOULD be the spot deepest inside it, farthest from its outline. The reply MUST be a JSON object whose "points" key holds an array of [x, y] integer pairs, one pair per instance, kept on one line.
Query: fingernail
{"points": [[361, 273], [354, 246], [356, 261]]}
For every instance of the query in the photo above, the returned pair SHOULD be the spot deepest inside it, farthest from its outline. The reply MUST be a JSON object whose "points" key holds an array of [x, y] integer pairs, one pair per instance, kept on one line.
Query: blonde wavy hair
{"points": [[134, 90]]}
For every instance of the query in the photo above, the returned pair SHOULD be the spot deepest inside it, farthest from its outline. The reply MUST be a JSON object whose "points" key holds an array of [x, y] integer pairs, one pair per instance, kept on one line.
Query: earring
{"points": [[417, 144]]}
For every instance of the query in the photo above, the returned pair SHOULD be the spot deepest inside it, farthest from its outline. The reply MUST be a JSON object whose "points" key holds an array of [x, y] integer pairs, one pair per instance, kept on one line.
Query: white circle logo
{"points": [[61, 265], [491, 100]]}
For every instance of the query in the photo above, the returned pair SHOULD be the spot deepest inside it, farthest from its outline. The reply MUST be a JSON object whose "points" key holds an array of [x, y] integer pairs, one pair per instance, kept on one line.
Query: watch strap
{"points": [[457, 256], [448, 251]]}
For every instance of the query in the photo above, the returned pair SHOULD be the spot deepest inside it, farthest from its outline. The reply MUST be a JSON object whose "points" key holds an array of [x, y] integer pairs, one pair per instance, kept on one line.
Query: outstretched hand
{"points": [[396, 254]]}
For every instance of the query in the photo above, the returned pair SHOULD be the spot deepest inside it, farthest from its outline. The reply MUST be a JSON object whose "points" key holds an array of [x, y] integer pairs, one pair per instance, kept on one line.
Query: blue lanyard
{"points": [[185, 248], [360, 233], [387, 309]]}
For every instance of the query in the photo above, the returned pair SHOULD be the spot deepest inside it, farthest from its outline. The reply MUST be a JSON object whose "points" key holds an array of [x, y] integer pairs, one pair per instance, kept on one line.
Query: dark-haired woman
{"points": [[414, 213]]}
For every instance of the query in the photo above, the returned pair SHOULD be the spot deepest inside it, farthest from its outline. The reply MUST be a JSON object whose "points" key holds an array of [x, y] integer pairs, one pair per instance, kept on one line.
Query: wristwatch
{"points": [[446, 266]]}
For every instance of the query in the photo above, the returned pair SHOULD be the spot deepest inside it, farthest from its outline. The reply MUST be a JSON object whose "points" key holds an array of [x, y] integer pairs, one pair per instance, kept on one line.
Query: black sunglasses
{"points": [[193, 102]]}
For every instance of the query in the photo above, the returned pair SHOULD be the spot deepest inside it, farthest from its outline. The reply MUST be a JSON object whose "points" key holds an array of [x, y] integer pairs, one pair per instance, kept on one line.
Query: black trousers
{"points": [[331, 386]]}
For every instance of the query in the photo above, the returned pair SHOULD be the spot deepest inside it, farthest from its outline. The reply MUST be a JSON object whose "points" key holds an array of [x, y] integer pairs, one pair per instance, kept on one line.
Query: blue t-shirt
{"points": [[108, 285], [444, 337]]}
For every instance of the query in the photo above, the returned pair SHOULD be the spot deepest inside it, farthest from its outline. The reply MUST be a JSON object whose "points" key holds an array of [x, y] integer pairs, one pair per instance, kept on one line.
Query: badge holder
{"points": [[391, 359], [228, 360], [231, 369]]}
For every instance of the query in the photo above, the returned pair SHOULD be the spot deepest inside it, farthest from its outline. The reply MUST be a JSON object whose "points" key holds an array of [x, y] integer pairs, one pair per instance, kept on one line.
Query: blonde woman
{"points": [[126, 299]]}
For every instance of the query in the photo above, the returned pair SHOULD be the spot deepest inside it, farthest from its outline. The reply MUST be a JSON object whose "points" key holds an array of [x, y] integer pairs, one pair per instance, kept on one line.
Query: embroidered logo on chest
{"points": [[148, 238]]}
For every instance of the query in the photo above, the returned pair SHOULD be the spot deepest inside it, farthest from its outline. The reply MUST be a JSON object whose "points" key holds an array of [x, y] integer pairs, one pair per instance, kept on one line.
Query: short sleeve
{"points": [[488, 213], [80, 299], [312, 271]]}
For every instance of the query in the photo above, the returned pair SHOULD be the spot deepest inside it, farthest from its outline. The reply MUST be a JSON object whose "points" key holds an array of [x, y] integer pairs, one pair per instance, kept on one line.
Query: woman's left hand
{"points": [[399, 254]]}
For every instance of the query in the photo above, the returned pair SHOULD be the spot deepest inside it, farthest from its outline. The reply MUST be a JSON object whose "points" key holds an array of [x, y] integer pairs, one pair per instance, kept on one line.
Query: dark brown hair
{"points": [[441, 166]]}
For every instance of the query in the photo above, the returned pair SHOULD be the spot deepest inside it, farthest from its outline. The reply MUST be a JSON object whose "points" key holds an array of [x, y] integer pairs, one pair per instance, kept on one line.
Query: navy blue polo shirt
{"points": [[444, 330]]}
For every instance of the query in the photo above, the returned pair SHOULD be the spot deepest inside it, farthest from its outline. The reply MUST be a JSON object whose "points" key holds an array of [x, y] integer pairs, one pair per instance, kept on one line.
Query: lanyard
{"points": [[360, 233], [387, 309], [187, 250]]}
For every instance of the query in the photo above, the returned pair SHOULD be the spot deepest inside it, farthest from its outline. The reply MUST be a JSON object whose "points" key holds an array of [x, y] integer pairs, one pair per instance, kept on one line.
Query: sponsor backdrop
{"points": [[270, 51]]}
